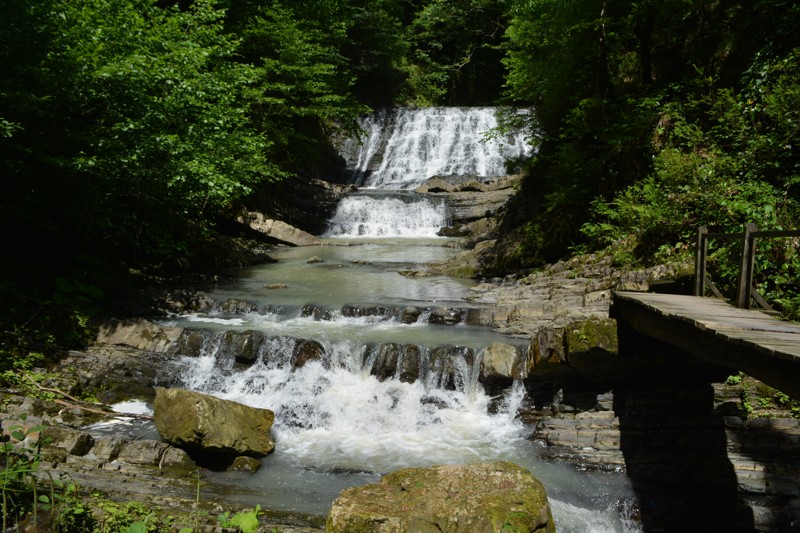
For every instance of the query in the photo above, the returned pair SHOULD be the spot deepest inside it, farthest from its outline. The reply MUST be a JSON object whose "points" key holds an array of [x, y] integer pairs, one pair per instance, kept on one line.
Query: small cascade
{"points": [[406, 146], [377, 216], [355, 398]]}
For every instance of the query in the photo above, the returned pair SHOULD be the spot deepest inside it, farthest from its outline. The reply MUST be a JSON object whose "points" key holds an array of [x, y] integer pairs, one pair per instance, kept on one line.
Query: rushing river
{"points": [[337, 424]]}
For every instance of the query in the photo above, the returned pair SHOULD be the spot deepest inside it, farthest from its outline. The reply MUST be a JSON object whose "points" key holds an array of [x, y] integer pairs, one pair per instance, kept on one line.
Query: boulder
{"points": [[386, 361], [306, 351], [70, 441], [241, 346], [445, 315], [139, 333], [450, 367], [278, 231], [202, 423], [487, 497], [245, 464], [591, 334], [410, 357], [238, 307], [501, 364], [409, 315]]}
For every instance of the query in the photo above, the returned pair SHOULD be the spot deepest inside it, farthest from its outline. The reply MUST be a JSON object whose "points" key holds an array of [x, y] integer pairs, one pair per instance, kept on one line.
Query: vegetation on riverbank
{"points": [[656, 118], [130, 131]]}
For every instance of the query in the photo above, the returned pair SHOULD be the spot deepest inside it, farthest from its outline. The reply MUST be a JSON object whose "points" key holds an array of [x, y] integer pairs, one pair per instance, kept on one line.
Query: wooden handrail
{"points": [[745, 291]]}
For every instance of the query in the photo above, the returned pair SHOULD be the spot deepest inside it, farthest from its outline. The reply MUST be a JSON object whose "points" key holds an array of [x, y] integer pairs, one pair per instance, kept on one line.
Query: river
{"points": [[338, 422]]}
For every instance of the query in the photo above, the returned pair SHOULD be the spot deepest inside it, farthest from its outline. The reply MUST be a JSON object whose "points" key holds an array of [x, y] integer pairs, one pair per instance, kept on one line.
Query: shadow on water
{"points": [[675, 444]]}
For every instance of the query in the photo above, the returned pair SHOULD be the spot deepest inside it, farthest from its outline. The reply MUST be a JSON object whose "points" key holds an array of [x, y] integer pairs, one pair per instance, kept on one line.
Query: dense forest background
{"points": [[130, 129]]}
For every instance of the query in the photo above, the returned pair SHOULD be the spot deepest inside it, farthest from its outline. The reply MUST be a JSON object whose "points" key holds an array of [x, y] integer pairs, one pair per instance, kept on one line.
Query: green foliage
{"points": [[245, 521], [131, 516], [454, 52], [656, 118], [20, 462]]}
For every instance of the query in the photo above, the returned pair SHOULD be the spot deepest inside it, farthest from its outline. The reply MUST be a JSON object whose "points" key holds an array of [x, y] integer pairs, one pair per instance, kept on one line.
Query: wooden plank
{"points": [[748, 329]]}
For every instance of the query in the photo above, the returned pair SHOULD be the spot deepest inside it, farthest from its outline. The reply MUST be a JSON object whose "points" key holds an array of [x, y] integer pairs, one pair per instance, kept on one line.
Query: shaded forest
{"points": [[131, 129]]}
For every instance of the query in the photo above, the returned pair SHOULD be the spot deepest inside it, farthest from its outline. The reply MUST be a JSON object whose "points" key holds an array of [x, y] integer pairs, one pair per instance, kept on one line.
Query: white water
{"points": [[336, 424], [404, 148], [387, 216], [339, 426]]}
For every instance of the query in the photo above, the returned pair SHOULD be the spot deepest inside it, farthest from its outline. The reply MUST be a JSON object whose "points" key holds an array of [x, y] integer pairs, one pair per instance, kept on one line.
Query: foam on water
{"points": [[362, 216]]}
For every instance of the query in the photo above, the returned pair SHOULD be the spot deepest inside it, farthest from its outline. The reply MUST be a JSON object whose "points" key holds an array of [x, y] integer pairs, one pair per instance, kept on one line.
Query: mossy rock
{"points": [[591, 334], [490, 497]]}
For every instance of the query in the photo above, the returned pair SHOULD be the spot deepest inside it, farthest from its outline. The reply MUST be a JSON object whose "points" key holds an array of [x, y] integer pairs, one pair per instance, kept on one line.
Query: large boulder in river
{"points": [[202, 423], [485, 497]]}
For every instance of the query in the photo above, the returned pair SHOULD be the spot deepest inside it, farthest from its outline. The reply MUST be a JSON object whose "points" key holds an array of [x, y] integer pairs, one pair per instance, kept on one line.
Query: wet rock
{"points": [[410, 315], [314, 259], [316, 312], [245, 464], [386, 361], [275, 286], [451, 499], [410, 358], [192, 342], [450, 367], [238, 307], [500, 366], [445, 316], [354, 311], [203, 423], [243, 346], [435, 185], [138, 333], [306, 351]]}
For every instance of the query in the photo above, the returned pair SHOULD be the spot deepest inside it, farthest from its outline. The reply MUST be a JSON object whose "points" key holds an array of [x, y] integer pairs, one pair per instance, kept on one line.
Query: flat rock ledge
{"points": [[487, 497]]}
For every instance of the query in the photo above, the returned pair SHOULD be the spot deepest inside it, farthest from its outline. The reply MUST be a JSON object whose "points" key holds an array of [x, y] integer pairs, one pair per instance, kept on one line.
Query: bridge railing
{"points": [[745, 290]]}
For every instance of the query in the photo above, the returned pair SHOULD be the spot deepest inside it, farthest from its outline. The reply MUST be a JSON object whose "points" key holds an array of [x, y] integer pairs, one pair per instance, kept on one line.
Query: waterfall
{"points": [[339, 414], [387, 216], [406, 146]]}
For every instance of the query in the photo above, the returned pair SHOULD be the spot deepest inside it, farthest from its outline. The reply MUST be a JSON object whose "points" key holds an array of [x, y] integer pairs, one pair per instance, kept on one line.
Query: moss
{"points": [[591, 334]]}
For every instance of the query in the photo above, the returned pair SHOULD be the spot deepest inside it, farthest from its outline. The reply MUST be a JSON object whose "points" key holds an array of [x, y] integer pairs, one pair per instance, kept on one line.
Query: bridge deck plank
{"points": [[742, 326], [715, 332]]}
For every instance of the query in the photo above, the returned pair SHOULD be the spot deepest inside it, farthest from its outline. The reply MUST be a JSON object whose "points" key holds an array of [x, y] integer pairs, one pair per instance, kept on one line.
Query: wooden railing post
{"points": [[700, 252], [748, 263]]}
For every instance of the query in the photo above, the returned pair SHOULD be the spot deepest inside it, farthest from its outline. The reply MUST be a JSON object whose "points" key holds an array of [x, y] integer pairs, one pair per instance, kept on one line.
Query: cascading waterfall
{"points": [[338, 414], [405, 147], [340, 422], [387, 216]]}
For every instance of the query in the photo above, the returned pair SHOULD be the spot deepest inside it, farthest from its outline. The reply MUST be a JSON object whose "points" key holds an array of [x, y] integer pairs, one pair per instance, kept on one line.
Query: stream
{"points": [[338, 423]]}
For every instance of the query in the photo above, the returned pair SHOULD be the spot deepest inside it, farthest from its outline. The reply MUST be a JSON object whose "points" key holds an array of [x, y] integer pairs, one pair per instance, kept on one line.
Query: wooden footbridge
{"points": [[713, 330]]}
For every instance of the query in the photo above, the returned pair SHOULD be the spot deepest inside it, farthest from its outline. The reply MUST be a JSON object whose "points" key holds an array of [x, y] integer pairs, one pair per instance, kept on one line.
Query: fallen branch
{"points": [[83, 405]]}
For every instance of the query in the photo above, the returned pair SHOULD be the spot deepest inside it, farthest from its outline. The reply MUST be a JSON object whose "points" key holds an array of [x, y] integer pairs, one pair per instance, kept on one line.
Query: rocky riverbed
{"points": [[700, 451], [698, 446]]}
